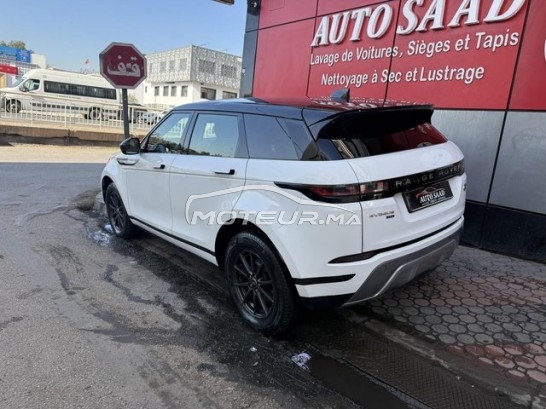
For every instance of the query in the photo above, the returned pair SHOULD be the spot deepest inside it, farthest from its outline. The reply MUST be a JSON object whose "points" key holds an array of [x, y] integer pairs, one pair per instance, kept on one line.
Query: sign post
{"points": [[124, 67]]}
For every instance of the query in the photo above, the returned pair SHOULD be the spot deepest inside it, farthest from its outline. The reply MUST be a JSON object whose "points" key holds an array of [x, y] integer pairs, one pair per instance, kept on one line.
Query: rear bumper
{"points": [[396, 268], [399, 271]]}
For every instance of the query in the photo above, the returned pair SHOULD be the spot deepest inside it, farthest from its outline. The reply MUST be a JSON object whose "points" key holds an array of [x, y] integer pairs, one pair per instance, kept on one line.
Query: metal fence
{"points": [[65, 113]]}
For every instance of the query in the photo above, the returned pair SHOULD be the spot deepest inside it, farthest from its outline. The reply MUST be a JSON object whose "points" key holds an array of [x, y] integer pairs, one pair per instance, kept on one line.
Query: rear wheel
{"points": [[13, 106], [258, 284], [95, 113], [117, 215]]}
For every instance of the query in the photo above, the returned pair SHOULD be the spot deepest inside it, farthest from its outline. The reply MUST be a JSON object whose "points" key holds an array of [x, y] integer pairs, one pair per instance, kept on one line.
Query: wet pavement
{"points": [[480, 315]]}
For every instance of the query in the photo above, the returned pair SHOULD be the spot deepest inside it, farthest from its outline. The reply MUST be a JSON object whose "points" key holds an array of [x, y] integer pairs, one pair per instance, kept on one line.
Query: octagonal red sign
{"points": [[122, 65]]}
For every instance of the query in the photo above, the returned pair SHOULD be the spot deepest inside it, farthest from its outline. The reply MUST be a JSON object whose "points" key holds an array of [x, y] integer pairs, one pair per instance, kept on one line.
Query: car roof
{"points": [[312, 110]]}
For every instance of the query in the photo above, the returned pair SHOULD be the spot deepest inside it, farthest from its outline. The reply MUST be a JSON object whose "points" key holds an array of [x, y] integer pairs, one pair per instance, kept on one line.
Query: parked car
{"points": [[135, 112], [162, 114], [300, 202], [148, 118], [151, 118]]}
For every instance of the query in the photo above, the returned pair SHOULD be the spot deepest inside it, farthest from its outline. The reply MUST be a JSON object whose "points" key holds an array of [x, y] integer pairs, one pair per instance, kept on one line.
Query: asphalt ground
{"points": [[481, 315]]}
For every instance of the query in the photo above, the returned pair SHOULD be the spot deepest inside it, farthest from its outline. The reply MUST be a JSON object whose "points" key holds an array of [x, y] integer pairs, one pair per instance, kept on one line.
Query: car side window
{"points": [[215, 135], [268, 138], [168, 136]]}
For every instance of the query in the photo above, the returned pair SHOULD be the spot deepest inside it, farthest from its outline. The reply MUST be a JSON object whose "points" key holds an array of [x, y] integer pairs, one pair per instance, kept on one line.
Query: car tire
{"points": [[13, 107], [259, 285], [95, 114], [117, 214]]}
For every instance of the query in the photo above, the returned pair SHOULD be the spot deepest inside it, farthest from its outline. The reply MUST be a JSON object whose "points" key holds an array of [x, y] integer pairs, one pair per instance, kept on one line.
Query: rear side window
{"points": [[279, 138], [267, 138], [358, 135]]}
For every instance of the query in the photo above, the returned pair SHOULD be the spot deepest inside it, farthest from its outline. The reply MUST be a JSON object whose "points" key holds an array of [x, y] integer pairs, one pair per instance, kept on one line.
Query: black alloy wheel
{"points": [[253, 284], [259, 284], [117, 215]]}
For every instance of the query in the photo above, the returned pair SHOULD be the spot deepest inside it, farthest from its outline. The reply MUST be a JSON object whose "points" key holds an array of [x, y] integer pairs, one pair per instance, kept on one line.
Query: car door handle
{"points": [[159, 166], [229, 172]]}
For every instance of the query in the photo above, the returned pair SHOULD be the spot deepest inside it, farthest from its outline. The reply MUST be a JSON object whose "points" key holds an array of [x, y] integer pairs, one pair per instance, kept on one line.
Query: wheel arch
{"points": [[106, 181], [235, 226]]}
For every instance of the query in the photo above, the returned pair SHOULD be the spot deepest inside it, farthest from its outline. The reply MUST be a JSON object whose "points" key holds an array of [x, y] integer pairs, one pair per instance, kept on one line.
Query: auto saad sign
{"points": [[455, 54]]}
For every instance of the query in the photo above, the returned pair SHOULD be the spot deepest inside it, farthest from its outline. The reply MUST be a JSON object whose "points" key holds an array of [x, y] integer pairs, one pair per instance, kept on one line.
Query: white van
{"points": [[55, 90]]}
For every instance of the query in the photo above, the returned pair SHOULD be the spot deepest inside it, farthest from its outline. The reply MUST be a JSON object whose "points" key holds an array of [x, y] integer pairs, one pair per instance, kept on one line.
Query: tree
{"points": [[15, 44]]}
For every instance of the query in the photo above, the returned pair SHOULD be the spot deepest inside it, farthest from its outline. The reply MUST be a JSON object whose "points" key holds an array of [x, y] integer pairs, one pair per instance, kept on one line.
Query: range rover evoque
{"points": [[320, 203]]}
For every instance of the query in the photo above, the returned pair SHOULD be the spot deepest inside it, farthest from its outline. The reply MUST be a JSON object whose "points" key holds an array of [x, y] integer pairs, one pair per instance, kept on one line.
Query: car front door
{"points": [[209, 179], [148, 196]]}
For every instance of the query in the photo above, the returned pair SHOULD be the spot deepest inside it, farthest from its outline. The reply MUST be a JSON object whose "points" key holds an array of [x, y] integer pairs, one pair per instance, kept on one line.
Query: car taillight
{"points": [[335, 193], [375, 190], [353, 192], [378, 189]]}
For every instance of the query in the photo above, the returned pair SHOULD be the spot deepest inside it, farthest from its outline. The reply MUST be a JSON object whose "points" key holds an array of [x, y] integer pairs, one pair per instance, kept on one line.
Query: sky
{"points": [[68, 32]]}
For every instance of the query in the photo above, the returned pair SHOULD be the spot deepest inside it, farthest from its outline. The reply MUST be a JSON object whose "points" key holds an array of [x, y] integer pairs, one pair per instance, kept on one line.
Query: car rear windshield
{"points": [[364, 133]]}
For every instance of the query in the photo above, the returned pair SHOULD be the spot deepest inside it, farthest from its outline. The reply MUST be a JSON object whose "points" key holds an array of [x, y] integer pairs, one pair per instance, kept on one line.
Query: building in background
{"points": [[189, 74], [15, 63]]}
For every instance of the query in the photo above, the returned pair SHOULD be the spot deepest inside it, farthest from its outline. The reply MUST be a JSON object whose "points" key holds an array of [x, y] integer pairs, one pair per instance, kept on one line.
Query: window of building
{"points": [[173, 91], [156, 91], [208, 93], [150, 68], [228, 71], [184, 91], [172, 65], [208, 67], [183, 64], [146, 90], [166, 91], [229, 95], [163, 66]]}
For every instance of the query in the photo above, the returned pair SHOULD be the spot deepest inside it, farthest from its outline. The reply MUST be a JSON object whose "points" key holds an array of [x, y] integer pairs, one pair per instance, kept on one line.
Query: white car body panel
{"points": [[337, 251]]}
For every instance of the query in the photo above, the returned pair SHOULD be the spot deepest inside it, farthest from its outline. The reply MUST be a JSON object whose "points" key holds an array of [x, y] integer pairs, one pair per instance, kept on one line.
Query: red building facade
{"points": [[482, 63]]}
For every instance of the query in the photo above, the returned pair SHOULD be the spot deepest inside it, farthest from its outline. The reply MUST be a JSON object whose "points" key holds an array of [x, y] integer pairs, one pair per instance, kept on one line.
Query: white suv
{"points": [[320, 203]]}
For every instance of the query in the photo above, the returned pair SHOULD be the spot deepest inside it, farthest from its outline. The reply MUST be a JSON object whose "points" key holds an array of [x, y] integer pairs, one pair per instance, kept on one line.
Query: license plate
{"points": [[427, 196]]}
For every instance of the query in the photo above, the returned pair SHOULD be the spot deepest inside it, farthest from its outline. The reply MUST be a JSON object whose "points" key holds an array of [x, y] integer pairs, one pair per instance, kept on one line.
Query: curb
{"points": [[488, 380]]}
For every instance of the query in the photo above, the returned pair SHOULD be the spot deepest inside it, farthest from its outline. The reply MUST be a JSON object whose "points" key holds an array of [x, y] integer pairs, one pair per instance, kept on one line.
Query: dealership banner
{"points": [[455, 54]]}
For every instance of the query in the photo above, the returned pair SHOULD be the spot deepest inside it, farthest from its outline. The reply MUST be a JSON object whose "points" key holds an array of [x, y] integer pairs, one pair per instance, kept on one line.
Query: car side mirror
{"points": [[130, 146]]}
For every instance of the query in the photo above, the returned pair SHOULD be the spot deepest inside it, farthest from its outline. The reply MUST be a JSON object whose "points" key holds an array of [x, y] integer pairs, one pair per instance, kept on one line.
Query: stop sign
{"points": [[122, 65]]}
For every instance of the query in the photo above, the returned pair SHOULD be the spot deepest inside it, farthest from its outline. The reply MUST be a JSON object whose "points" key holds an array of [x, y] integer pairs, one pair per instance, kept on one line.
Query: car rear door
{"points": [[206, 182], [412, 180]]}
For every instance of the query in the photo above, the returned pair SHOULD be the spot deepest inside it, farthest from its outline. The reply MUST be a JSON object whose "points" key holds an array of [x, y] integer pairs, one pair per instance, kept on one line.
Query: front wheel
{"points": [[258, 284], [13, 106], [117, 215]]}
